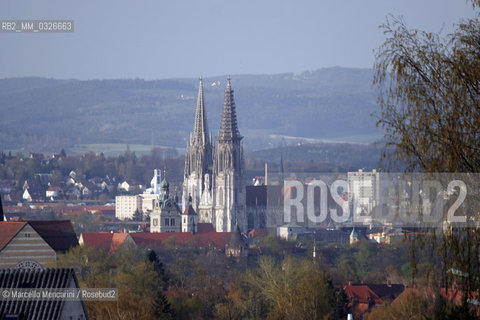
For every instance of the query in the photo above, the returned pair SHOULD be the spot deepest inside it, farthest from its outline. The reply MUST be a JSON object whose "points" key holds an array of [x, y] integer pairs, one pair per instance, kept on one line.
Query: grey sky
{"points": [[187, 38]]}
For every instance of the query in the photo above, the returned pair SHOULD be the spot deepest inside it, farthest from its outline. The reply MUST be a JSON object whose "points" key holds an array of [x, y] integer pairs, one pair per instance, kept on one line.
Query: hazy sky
{"points": [[187, 38]]}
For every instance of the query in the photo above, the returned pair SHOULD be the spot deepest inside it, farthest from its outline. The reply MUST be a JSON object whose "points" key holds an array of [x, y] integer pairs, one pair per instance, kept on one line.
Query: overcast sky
{"points": [[187, 38]]}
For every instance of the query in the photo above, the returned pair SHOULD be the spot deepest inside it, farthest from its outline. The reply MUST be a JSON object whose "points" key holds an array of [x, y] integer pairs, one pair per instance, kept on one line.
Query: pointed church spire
{"points": [[200, 131], [228, 127]]}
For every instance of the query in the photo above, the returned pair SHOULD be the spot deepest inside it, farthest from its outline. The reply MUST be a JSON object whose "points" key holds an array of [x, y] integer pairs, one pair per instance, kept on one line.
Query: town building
{"points": [[127, 205], [189, 220], [363, 297], [236, 247], [354, 236], [105, 241], [229, 242], [166, 215], [363, 191], [34, 243]]}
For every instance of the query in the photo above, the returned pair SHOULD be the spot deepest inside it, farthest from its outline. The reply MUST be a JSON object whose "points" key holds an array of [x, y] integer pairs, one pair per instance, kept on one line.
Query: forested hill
{"points": [[40, 114]]}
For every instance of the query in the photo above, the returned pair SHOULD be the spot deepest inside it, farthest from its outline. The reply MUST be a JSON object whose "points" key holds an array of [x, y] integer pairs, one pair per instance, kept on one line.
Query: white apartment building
{"points": [[145, 202], [363, 190], [125, 206]]}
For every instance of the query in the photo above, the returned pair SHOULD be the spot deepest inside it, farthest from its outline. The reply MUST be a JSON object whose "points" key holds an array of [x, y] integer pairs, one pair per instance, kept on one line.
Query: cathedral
{"points": [[214, 180]]}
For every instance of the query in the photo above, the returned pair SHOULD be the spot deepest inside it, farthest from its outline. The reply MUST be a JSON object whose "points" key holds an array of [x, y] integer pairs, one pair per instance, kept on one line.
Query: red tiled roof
{"points": [[59, 234], [53, 189], [97, 240], [362, 294], [117, 240], [203, 227], [203, 240], [8, 230], [106, 241]]}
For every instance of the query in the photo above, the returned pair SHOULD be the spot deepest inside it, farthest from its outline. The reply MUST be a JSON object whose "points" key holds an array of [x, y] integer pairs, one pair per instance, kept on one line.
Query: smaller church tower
{"points": [[166, 215], [354, 236], [189, 219], [155, 182], [236, 247]]}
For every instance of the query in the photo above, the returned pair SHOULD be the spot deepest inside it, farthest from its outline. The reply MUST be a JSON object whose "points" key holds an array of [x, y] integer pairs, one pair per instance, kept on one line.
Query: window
{"points": [[184, 220], [172, 222], [155, 222], [27, 235], [167, 222]]}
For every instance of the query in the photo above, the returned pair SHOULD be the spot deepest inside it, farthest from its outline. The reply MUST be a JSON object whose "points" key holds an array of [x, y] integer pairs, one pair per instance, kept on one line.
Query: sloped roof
{"points": [[44, 278], [189, 211], [97, 240], [8, 230], [203, 240], [59, 234], [106, 241], [362, 293], [387, 291], [203, 227], [118, 240]]}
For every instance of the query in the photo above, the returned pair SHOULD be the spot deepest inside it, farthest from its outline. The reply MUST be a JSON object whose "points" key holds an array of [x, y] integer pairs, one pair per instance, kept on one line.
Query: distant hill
{"points": [[323, 156], [333, 104]]}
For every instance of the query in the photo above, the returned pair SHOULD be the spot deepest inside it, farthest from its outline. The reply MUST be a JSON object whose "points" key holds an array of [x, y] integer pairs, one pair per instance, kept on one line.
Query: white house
{"points": [[26, 196], [125, 186], [290, 231], [52, 192]]}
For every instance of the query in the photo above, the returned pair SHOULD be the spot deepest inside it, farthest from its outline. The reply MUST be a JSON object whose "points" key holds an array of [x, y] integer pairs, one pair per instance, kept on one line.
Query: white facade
{"points": [[363, 191], [189, 220], [51, 193], [289, 231], [125, 186], [148, 201], [215, 177], [166, 217], [125, 206], [144, 202], [26, 196]]}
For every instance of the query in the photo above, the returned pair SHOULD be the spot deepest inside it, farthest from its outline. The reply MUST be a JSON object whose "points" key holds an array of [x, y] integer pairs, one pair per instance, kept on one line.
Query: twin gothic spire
{"points": [[200, 131], [228, 127]]}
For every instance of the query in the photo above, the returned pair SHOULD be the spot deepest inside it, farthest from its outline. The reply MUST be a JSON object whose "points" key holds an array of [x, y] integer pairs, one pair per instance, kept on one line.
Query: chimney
{"points": [[266, 173]]}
